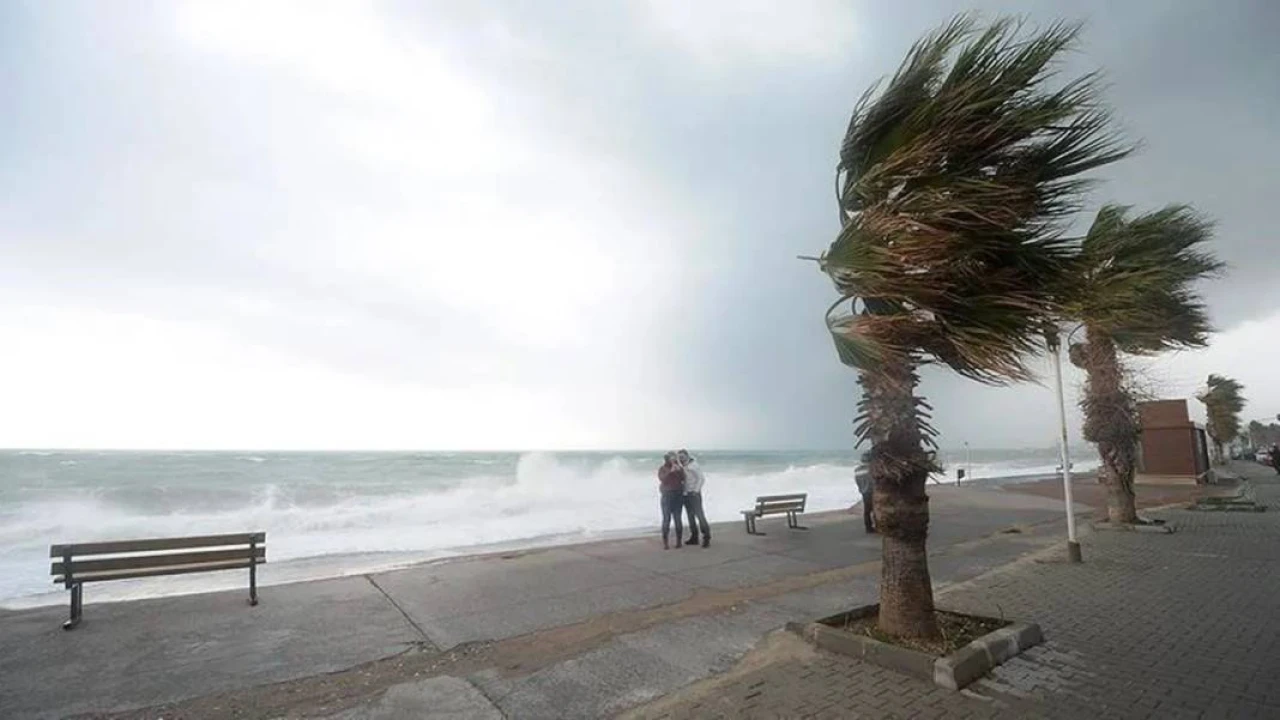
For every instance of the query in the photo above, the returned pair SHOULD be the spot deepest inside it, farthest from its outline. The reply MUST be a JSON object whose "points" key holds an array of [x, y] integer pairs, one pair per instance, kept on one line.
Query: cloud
{"points": [[375, 223], [749, 35], [379, 220]]}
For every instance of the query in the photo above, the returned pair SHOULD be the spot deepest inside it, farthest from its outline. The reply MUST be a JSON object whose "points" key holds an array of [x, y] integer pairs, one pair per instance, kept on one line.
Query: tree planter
{"points": [[1245, 500], [1158, 527], [954, 670], [1227, 505]]}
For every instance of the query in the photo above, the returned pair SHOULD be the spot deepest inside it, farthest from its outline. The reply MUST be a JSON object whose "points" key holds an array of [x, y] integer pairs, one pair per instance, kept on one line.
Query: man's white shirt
{"points": [[693, 478]]}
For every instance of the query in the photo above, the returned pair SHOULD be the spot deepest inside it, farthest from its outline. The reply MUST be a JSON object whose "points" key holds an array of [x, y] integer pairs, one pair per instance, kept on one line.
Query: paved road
{"points": [[663, 620], [1150, 626]]}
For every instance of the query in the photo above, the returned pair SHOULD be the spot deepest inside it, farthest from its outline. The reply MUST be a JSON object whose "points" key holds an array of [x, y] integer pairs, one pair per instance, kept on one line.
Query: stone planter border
{"points": [[1157, 527], [953, 671]]}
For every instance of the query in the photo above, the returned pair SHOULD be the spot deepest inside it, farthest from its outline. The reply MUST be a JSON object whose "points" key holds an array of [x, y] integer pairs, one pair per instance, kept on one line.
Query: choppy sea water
{"points": [[329, 514]]}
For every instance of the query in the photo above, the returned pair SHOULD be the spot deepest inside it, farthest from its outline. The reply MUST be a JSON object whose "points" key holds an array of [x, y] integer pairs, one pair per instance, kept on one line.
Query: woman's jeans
{"points": [[672, 504]]}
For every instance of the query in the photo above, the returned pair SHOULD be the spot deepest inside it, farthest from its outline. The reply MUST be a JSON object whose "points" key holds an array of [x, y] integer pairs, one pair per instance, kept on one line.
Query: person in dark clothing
{"points": [[866, 486], [693, 482], [1274, 454], [671, 486]]}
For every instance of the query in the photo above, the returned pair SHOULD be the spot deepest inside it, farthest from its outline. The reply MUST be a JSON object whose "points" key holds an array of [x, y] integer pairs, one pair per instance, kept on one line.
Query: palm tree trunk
{"points": [[900, 468], [1111, 422]]}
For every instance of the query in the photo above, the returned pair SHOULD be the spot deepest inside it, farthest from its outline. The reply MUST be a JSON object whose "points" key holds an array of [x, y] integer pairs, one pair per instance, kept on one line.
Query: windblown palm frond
{"points": [[953, 182], [1223, 400], [1137, 276]]}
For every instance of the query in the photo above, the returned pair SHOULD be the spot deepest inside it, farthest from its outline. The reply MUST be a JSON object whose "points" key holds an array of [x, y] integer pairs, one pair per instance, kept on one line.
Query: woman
{"points": [[671, 486]]}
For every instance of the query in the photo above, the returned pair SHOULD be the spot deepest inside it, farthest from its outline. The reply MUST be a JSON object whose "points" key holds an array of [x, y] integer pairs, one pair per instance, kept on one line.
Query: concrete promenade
{"points": [[574, 632], [1149, 626]]}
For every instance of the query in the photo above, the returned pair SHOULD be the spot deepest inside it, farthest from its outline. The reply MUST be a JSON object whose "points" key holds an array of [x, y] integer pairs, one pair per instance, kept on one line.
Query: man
{"points": [[1274, 457], [671, 486], [693, 480], [866, 486]]}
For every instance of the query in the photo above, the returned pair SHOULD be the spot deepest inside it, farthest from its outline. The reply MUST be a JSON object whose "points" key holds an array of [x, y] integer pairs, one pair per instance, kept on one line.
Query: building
{"points": [[1174, 448]]}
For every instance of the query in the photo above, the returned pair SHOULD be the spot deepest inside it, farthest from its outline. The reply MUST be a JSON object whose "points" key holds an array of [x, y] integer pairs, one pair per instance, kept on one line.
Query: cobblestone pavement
{"points": [[1185, 625]]}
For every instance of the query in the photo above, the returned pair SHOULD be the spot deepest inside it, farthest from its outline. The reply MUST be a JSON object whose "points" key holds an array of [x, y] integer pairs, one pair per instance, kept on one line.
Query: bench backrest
{"points": [[778, 504], [156, 556]]}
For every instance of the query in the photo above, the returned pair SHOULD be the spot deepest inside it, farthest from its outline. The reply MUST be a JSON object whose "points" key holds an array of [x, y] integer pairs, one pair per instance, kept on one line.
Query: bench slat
{"points": [[181, 543], [155, 572], [772, 498], [778, 511], [135, 562]]}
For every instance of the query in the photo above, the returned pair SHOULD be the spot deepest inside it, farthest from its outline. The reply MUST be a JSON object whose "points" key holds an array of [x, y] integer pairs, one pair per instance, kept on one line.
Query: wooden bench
{"points": [[152, 558], [789, 505]]}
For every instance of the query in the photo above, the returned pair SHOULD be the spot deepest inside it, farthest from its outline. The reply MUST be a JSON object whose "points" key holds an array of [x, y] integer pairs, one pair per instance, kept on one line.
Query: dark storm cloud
{"points": [[752, 153]]}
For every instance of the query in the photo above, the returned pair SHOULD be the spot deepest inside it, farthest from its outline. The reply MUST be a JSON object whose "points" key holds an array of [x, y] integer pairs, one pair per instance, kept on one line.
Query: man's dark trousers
{"points": [[697, 518]]}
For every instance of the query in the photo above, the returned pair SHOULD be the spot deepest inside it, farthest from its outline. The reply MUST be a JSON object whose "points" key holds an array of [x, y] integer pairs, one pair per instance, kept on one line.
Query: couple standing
{"points": [[680, 482]]}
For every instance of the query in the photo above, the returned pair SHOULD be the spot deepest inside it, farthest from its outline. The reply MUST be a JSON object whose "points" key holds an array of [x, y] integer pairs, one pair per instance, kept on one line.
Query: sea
{"points": [[328, 514]]}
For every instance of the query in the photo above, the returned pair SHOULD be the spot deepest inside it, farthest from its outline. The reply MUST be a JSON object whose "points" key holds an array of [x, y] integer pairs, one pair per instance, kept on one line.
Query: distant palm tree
{"points": [[1223, 402], [952, 183], [1134, 294]]}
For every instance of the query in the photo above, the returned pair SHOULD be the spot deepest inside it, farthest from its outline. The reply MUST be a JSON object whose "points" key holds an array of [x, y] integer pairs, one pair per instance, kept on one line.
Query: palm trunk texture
{"points": [[900, 468], [1111, 422]]}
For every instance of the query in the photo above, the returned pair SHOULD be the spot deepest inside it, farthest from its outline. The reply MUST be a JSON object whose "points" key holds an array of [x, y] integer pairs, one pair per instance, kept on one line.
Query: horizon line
{"points": [[488, 450]]}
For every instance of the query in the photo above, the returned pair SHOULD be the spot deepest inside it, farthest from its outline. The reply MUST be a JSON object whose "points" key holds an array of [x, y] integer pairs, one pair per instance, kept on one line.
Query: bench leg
{"points": [[77, 605], [253, 581], [793, 522]]}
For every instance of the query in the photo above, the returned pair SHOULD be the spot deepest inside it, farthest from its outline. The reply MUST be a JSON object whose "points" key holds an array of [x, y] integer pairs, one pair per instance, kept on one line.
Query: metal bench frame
{"points": [[790, 505], [143, 558]]}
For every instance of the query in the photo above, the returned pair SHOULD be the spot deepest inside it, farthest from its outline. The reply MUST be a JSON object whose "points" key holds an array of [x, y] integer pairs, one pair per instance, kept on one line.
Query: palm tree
{"points": [[1223, 403], [1262, 436], [952, 183], [1133, 293]]}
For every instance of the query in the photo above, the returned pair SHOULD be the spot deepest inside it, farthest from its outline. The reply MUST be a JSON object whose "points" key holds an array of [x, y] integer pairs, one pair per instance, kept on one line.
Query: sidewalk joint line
{"points": [[396, 605]]}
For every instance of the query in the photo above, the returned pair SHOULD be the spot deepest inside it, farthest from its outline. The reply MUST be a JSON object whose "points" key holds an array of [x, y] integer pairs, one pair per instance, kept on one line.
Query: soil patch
{"points": [[957, 630]]}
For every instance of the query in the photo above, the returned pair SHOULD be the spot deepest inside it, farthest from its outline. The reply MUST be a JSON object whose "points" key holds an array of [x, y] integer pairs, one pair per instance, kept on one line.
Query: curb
{"points": [[978, 657], [1153, 529], [953, 672]]}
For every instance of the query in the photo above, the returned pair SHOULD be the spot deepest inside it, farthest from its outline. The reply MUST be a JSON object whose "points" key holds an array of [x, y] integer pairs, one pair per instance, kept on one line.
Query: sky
{"points": [[520, 225]]}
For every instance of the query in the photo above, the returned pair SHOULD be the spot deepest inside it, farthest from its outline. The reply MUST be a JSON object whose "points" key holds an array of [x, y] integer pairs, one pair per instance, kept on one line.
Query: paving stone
{"points": [[1163, 626]]}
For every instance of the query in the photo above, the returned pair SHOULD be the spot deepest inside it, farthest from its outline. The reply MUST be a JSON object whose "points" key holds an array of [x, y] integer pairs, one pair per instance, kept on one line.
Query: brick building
{"points": [[1174, 448]]}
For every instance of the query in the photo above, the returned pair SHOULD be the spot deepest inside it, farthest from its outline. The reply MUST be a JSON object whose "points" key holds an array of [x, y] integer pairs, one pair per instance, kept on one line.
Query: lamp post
{"points": [[1073, 546]]}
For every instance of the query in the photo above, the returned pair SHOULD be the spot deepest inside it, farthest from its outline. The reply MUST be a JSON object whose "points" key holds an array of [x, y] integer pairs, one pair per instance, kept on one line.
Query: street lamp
{"points": [[1073, 546]]}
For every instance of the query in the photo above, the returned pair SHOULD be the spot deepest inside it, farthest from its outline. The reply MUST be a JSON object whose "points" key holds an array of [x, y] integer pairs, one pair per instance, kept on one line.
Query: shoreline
{"points": [[341, 565], [506, 550]]}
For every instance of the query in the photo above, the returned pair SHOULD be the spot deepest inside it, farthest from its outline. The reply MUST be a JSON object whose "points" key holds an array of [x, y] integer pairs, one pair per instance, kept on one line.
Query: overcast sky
{"points": [[485, 224]]}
